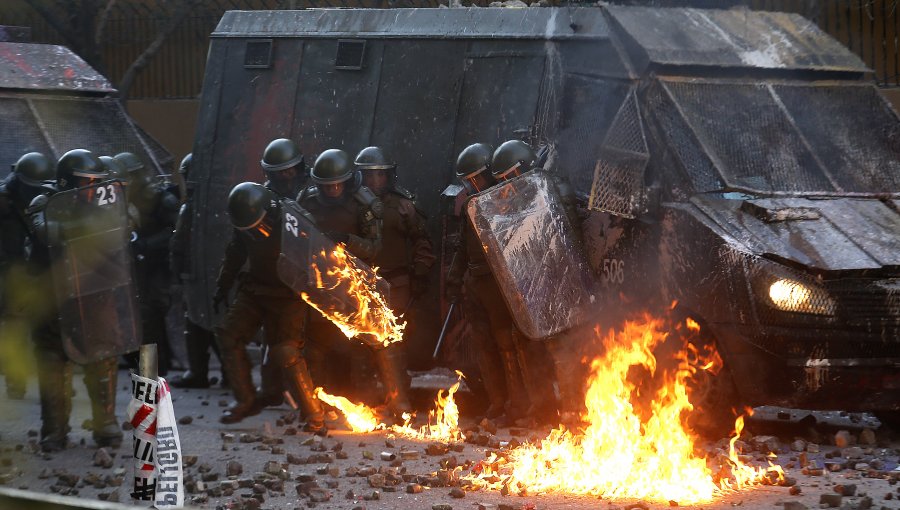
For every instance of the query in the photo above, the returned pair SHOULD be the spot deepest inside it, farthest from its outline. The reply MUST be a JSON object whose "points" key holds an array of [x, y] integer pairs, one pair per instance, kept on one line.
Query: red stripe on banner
{"points": [[148, 467], [152, 428], [141, 415]]}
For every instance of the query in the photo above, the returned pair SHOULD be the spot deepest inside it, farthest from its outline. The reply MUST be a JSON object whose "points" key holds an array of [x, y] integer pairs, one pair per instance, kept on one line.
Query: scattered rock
{"points": [[319, 495], [488, 425], [798, 445], [867, 437], [103, 459], [795, 491], [437, 449], [189, 460], [415, 488], [349, 494], [185, 420], [457, 493], [842, 439], [440, 506], [794, 505], [272, 467], [847, 489], [376, 481], [295, 459], [375, 496], [830, 500], [233, 468], [409, 454]]}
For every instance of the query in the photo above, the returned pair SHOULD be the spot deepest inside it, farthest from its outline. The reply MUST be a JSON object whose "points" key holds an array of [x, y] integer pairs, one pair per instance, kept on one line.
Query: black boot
{"points": [[394, 378], [100, 379], [538, 376], [298, 381], [237, 367], [55, 388]]}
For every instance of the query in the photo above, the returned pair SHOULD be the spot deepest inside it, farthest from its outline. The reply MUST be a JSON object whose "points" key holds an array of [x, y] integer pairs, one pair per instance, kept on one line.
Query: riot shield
{"points": [[329, 279], [534, 254], [92, 272]]}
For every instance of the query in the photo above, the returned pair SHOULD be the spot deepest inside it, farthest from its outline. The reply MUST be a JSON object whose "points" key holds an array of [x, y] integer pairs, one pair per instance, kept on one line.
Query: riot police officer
{"points": [[18, 299], [75, 170], [349, 213], [156, 210], [261, 300], [285, 170], [406, 254], [483, 306], [512, 159], [284, 166], [198, 340]]}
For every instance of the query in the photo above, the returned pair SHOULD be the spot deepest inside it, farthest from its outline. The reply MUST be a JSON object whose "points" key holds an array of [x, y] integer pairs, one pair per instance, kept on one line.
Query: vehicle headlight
{"points": [[793, 296]]}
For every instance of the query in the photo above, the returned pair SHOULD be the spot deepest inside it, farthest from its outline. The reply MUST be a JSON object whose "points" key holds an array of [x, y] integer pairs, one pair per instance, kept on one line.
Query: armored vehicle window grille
{"points": [[619, 173], [26, 137], [350, 55], [853, 131], [589, 105], [102, 126], [696, 164], [258, 54], [749, 136]]}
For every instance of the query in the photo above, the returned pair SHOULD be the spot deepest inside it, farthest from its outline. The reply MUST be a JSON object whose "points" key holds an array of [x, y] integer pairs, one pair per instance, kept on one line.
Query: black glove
{"points": [[220, 298], [453, 292], [338, 237]]}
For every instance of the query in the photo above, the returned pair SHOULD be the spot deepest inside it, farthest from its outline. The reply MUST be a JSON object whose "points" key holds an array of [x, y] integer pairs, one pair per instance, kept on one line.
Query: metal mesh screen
{"points": [[853, 131], [619, 172], [98, 125], [696, 164], [749, 136], [21, 133]]}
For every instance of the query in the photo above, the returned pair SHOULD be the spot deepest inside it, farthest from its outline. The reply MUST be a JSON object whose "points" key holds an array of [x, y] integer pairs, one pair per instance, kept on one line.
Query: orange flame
{"points": [[360, 417], [620, 454], [372, 315], [443, 420]]}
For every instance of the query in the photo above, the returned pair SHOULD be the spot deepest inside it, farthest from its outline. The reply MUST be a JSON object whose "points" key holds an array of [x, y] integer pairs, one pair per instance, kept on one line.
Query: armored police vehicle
{"points": [[738, 162]]}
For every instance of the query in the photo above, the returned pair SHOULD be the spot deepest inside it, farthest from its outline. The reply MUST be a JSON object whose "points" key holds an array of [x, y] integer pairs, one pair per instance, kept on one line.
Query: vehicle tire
{"points": [[716, 403]]}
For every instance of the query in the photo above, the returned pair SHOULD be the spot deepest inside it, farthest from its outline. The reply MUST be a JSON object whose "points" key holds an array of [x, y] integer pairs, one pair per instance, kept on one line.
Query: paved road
{"points": [[271, 440]]}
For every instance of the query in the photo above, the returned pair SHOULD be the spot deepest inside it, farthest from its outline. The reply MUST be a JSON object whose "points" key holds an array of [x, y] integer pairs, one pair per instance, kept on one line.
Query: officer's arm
{"points": [[46, 232], [422, 251], [235, 256], [368, 245], [460, 258]]}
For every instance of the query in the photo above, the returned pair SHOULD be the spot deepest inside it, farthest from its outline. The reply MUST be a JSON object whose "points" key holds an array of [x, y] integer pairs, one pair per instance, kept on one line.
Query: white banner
{"points": [[158, 475]]}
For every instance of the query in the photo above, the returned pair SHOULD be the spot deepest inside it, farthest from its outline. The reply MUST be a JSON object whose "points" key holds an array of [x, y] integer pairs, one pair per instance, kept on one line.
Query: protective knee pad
{"points": [[287, 355]]}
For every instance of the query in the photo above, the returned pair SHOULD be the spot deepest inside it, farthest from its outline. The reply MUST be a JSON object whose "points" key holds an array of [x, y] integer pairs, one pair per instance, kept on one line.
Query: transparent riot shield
{"points": [[92, 272], [534, 254], [334, 282]]}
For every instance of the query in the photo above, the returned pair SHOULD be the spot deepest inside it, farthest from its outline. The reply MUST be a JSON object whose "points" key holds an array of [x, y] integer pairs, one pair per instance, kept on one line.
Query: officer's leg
{"points": [[100, 379], [570, 375], [13, 345], [488, 356], [538, 376], [240, 324], [271, 383], [394, 378], [502, 330], [154, 309], [284, 323], [317, 349], [196, 343], [54, 386]]}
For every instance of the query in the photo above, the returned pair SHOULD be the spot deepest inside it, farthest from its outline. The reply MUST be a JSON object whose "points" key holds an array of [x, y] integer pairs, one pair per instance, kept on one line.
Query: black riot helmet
{"points": [[130, 161], [185, 167], [378, 172], [332, 167], [115, 169], [252, 206], [77, 167], [472, 167], [512, 158], [281, 154], [33, 168]]}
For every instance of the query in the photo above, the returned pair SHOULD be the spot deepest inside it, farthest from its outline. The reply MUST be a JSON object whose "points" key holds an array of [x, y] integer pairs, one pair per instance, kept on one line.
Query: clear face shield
{"points": [[511, 173], [477, 181]]}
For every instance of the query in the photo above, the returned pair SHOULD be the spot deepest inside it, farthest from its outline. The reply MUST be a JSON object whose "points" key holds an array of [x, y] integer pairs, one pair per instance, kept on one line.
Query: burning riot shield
{"points": [[92, 272], [338, 285], [534, 254]]}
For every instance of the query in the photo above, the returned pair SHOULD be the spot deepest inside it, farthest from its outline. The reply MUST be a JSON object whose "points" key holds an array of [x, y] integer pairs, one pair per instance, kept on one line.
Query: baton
{"points": [[443, 331]]}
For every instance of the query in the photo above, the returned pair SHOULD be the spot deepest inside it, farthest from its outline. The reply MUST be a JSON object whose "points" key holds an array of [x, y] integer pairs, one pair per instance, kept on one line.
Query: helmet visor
{"points": [[511, 172]]}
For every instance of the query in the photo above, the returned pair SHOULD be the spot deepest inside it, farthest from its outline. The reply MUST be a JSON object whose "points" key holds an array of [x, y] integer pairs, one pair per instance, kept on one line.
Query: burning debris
{"points": [[371, 320], [622, 453]]}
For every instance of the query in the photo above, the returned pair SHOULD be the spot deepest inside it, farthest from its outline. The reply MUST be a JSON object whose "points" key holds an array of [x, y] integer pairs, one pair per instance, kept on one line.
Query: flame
{"points": [[627, 450], [443, 420], [371, 316], [360, 417]]}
